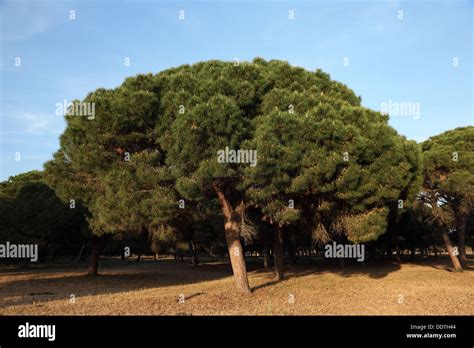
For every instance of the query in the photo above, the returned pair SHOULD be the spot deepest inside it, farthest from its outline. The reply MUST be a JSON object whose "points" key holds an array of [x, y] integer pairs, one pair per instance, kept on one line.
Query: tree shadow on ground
{"points": [[56, 282], [373, 270], [43, 284], [444, 264]]}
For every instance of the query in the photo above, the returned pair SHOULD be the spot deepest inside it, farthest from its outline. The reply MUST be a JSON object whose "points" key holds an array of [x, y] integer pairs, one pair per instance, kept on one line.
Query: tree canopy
{"points": [[32, 213], [159, 139], [448, 185]]}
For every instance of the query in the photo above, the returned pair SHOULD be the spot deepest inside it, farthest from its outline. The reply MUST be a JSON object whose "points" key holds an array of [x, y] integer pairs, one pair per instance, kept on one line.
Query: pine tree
{"points": [[448, 185], [327, 163], [158, 139], [32, 213]]}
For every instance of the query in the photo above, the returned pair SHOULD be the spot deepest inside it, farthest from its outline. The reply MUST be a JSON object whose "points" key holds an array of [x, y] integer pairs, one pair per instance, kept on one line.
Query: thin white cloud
{"points": [[22, 20], [35, 122], [32, 123]]}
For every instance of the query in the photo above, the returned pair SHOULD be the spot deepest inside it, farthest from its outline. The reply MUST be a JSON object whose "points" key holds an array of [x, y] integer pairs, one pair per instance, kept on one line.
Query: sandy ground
{"points": [[159, 287]]}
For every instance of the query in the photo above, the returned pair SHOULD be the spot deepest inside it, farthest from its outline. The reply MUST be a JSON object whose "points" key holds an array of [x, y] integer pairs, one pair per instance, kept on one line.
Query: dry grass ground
{"points": [[154, 288]]}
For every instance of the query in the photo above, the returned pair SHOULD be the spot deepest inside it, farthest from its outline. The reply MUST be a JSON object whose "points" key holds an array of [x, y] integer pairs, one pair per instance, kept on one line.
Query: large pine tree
{"points": [[157, 138]]}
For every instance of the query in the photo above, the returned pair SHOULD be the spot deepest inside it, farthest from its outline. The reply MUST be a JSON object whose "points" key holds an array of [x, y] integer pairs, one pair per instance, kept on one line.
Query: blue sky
{"points": [[379, 52]]}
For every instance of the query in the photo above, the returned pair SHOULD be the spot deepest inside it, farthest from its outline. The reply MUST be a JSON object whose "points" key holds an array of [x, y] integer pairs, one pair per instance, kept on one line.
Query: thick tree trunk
{"points": [[232, 236], [278, 253], [193, 253], [94, 258], [237, 259], [445, 236], [461, 222], [449, 247]]}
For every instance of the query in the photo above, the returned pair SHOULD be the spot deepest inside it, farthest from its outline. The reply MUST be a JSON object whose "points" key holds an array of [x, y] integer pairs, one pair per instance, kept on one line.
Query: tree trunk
{"points": [[138, 258], [265, 257], [236, 255], [278, 253], [340, 262], [372, 252], [26, 263], [193, 253], [449, 246], [94, 258], [52, 252], [461, 222], [292, 253], [232, 236], [412, 254], [398, 255], [81, 252], [445, 236]]}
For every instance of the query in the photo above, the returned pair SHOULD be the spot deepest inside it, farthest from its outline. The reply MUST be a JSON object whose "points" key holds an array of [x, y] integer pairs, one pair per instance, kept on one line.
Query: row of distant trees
{"points": [[145, 167]]}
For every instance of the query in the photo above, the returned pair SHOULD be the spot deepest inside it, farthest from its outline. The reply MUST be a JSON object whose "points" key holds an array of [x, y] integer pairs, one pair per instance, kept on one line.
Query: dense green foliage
{"points": [[448, 185], [326, 168], [30, 212]]}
